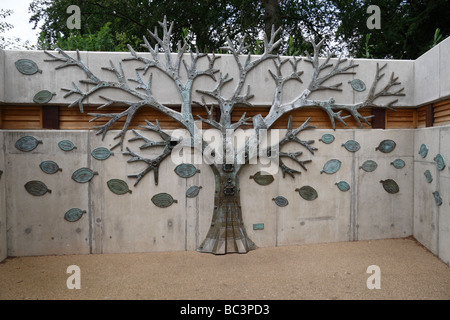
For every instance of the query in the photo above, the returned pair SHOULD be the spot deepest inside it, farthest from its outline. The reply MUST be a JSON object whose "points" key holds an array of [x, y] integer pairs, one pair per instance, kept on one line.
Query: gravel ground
{"points": [[318, 271]]}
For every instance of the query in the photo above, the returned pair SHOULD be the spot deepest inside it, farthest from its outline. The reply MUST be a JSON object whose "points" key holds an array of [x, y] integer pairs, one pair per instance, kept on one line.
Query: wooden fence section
{"points": [[37, 117], [441, 112], [401, 119], [20, 117], [421, 117]]}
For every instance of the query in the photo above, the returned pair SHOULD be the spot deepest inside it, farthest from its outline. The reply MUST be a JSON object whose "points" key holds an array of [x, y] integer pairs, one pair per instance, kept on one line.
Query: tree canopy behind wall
{"points": [[206, 23], [408, 28]]}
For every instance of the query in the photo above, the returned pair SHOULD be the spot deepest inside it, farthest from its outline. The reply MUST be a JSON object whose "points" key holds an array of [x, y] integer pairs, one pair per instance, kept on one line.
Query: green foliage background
{"points": [[408, 27]]}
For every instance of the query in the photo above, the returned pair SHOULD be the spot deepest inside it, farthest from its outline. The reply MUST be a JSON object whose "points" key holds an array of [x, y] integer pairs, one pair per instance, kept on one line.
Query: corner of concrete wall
{"points": [[431, 76], [2, 75], [431, 220], [3, 236]]}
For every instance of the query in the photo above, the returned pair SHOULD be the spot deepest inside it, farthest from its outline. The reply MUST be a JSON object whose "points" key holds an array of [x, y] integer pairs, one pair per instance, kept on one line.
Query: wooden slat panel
{"points": [[18, 117], [27, 117], [441, 113], [442, 108], [421, 117], [442, 103], [401, 118]]}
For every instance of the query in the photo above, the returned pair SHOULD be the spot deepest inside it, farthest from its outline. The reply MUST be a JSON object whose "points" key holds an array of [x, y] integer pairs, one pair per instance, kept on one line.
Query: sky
{"points": [[19, 19]]}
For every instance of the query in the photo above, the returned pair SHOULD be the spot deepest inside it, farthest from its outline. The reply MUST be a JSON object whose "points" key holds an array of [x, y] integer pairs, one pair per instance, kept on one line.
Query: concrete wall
{"points": [[132, 223], [431, 76], [432, 222], [3, 237], [21, 88], [2, 75]]}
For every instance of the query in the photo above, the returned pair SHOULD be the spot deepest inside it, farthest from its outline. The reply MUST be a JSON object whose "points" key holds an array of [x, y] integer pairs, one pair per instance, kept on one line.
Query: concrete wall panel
{"points": [[381, 214], [21, 88], [2, 75], [444, 221], [36, 224], [426, 77], [3, 235]]}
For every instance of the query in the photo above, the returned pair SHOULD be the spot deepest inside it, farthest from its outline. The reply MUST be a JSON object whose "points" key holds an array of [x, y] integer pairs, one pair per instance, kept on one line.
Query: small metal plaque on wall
{"points": [[258, 226]]}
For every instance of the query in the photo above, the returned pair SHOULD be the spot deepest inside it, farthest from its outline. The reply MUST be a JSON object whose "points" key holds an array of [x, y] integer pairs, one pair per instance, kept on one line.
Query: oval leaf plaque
{"points": [[163, 200], [83, 175], [343, 185], [440, 162], [351, 145], [27, 66], [49, 167], [398, 163], [437, 198], [386, 146], [331, 166], [66, 145], [428, 176], [74, 214], [36, 188], [101, 153], [327, 138], [262, 179], [369, 166], [27, 143], [423, 151], [186, 170], [118, 186], [358, 85], [307, 193], [43, 96], [281, 201], [193, 191], [390, 186]]}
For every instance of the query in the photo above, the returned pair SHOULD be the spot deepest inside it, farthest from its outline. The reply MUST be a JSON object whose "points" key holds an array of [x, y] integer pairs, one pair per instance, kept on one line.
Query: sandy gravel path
{"points": [[319, 271]]}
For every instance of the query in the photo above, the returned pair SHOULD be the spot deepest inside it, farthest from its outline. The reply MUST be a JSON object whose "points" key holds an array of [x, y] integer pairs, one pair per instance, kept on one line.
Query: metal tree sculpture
{"points": [[227, 233]]}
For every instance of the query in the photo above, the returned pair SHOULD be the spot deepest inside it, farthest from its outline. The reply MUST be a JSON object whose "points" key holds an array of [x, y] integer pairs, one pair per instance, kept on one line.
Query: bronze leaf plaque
{"points": [[49, 167], [386, 146], [351, 145], [43, 96], [428, 176], [423, 151], [369, 166], [343, 185], [36, 188], [74, 214], [358, 85], [193, 191], [101, 153], [390, 186], [66, 145], [331, 166], [118, 186], [398, 163], [163, 200], [440, 162], [307, 193], [327, 138], [27, 143], [262, 179], [281, 201], [83, 175], [437, 198], [186, 170], [27, 66]]}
